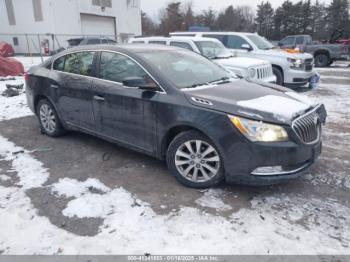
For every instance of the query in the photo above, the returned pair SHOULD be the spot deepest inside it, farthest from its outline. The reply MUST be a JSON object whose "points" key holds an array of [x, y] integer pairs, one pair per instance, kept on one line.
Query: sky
{"points": [[151, 7]]}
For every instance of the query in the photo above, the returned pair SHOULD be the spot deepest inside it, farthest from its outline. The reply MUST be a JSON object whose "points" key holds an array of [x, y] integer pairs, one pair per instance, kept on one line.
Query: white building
{"points": [[115, 19]]}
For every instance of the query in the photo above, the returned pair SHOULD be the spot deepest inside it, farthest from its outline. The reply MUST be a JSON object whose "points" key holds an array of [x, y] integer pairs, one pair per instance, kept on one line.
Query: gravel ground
{"points": [[80, 195]]}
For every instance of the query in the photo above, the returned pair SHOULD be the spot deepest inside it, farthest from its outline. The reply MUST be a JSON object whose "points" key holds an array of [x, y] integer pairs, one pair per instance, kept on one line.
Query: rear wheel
{"points": [[322, 60], [49, 122], [279, 76], [195, 161]]}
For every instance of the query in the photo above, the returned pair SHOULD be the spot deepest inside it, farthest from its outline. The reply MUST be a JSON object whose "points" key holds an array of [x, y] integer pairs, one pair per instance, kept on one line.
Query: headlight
{"points": [[295, 63], [259, 131], [251, 72]]}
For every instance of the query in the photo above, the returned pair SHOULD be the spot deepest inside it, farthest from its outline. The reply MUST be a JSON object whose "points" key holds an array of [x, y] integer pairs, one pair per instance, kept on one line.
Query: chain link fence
{"points": [[50, 44]]}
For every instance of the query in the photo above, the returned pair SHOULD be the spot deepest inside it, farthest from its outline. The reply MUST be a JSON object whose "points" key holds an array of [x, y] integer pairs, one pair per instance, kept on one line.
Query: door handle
{"points": [[54, 86], [99, 98]]}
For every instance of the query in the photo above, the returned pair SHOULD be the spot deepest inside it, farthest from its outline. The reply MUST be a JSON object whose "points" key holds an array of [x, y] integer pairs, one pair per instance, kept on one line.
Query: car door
{"points": [[123, 113], [71, 82]]}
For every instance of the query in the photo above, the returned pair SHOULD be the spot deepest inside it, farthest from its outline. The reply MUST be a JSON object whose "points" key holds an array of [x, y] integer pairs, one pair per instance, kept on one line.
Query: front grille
{"points": [[308, 64], [308, 128], [264, 72]]}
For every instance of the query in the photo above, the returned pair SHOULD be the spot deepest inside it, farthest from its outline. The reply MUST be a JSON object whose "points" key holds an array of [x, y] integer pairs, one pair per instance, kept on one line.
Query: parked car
{"points": [[181, 107], [89, 41], [290, 69], [325, 54], [213, 49]]}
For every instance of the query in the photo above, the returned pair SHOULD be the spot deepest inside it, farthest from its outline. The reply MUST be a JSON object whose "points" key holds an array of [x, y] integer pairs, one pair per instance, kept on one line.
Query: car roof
{"points": [[127, 48], [183, 38], [212, 33]]}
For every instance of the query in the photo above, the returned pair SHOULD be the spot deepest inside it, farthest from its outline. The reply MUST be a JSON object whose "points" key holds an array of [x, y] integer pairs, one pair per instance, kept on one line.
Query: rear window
{"points": [[79, 63]]}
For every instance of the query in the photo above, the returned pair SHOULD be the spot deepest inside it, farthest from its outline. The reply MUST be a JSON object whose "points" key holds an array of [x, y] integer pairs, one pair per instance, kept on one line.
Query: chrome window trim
{"points": [[109, 81], [302, 116]]}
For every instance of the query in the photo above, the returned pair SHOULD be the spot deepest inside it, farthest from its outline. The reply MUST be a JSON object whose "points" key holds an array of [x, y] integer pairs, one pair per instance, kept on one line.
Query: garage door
{"points": [[97, 25]]}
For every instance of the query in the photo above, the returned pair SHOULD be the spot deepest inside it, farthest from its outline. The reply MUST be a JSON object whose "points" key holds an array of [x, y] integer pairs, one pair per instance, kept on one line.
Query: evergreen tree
{"points": [[264, 19]]}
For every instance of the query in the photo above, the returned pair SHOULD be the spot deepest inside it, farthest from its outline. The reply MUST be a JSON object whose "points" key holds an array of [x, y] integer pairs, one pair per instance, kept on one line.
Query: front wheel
{"points": [[322, 60], [195, 161], [279, 76], [48, 119]]}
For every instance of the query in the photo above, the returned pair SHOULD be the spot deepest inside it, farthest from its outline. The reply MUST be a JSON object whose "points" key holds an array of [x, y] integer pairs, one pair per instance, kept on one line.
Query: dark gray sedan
{"points": [[178, 106]]}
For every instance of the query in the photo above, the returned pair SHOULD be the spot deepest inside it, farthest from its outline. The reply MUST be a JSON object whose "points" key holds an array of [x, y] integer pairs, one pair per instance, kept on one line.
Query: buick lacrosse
{"points": [[173, 104]]}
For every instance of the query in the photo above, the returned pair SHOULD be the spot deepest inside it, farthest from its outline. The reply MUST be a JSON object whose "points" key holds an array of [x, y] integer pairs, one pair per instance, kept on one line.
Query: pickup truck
{"points": [[291, 69], [324, 53], [213, 49]]}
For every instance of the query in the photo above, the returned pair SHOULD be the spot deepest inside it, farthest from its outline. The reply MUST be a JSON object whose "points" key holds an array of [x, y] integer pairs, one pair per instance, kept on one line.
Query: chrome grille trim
{"points": [[263, 71], [308, 127]]}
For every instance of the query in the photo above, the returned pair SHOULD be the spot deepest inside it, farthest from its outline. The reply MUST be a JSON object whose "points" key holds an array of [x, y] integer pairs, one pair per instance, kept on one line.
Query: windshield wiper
{"points": [[221, 80], [196, 85]]}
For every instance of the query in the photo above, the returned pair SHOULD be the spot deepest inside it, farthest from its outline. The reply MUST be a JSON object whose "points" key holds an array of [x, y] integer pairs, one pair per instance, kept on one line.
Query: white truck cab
{"points": [[290, 69], [254, 69]]}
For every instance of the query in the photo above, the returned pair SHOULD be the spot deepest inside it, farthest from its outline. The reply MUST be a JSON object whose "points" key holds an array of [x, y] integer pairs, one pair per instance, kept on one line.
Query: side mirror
{"points": [[246, 47], [139, 82]]}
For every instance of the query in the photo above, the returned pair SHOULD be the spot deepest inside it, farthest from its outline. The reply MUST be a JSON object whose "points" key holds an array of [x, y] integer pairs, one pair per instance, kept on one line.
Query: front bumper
{"points": [[294, 159], [297, 77]]}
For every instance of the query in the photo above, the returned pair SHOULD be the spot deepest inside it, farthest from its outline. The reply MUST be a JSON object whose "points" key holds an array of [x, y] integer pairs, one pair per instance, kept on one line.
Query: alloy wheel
{"points": [[47, 118], [197, 161]]}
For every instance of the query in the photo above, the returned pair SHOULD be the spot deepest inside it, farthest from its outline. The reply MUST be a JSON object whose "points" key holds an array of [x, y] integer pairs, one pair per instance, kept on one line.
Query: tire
{"points": [[50, 124], [322, 60], [279, 76], [193, 169]]}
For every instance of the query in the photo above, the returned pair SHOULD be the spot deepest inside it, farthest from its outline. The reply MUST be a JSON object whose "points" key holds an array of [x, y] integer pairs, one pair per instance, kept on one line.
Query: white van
{"points": [[291, 69], [213, 49]]}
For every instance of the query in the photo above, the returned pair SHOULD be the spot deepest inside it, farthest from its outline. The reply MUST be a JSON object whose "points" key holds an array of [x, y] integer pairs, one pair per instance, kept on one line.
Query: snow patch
{"points": [[212, 199], [281, 107], [4, 177], [73, 188], [30, 171]]}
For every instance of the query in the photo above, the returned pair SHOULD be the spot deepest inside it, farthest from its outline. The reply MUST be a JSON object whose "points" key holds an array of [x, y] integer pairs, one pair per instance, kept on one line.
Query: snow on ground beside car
{"points": [[16, 106], [274, 224]]}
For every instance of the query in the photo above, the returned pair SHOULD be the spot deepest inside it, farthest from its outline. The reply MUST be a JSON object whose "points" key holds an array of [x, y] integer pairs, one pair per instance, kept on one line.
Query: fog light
{"points": [[267, 170]]}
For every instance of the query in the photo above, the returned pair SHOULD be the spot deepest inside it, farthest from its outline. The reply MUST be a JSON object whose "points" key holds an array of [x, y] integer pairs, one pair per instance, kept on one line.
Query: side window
{"points": [[235, 42], [182, 45], [221, 38], [300, 40], [59, 63], [79, 63], [116, 67], [157, 42], [288, 41], [138, 42]]}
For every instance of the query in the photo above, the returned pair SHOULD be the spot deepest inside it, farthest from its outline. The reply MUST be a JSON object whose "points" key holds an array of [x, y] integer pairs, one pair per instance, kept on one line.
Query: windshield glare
{"points": [[211, 49], [260, 42], [186, 69]]}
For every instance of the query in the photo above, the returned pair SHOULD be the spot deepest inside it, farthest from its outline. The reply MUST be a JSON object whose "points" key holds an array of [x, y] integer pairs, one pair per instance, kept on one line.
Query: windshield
{"points": [[186, 69], [212, 50], [260, 42]]}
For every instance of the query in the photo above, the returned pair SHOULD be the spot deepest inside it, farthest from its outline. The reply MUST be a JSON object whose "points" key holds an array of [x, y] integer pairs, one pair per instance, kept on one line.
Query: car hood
{"points": [[240, 62], [278, 52], [259, 101]]}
